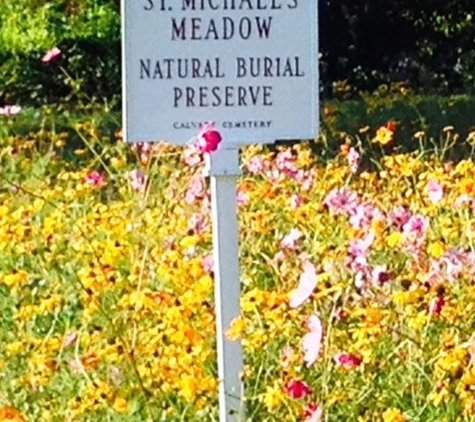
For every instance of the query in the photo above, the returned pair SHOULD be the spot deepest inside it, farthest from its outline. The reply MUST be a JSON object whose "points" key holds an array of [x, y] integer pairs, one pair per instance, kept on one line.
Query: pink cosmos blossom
{"points": [[50, 55], [289, 241], [10, 110], [341, 201], [196, 188], [353, 158], [208, 263], [307, 283], [347, 361], [297, 389], [285, 163], [96, 179], [242, 198], [434, 191], [363, 214], [138, 180], [257, 165], [399, 216], [312, 341], [313, 413], [360, 247], [416, 225], [208, 139]]}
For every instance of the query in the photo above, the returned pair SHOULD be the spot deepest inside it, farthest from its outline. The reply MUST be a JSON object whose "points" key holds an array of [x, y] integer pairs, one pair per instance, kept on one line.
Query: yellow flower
{"points": [[393, 415], [383, 136], [436, 249], [394, 239]]}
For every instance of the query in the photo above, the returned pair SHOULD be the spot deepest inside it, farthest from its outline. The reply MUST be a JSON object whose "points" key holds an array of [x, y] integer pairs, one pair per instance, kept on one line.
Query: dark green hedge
{"points": [[430, 45]]}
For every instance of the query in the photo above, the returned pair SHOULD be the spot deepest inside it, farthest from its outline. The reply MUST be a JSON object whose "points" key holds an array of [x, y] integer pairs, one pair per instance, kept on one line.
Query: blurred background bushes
{"points": [[424, 47]]}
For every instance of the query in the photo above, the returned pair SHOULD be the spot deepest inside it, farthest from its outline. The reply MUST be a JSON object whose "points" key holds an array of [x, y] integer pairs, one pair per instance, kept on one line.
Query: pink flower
{"points": [[196, 188], [96, 179], [290, 240], [399, 216], [242, 198], [138, 180], [297, 389], [313, 413], [208, 263], [416, 225], [347, 361], [341, 201], [353, 158], [256, 165], [50, 55], [307, 283], [10, 110], [208, 139], [434, 191], [312, 341]]}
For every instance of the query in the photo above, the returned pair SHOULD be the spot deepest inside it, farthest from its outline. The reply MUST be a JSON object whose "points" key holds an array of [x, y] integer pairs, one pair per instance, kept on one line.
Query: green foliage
{"points": [[88, 33]]}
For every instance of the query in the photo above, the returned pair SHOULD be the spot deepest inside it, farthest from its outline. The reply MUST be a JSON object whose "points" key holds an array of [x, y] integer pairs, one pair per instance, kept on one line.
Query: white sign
{"points": [[250, 66]]}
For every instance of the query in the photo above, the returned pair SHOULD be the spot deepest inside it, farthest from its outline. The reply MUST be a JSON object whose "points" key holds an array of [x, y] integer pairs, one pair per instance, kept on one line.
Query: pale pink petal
{"points": [[307, 283], [313, 413], [312, 341]]}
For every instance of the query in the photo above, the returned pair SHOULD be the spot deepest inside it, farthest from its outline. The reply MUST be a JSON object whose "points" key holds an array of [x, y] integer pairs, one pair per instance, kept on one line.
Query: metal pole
{"points": [[223, 167]]}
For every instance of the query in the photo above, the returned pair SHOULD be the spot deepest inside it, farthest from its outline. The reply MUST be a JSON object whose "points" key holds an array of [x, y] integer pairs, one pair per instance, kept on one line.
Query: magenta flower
{"points": [[208, 139], [96, 179], [347, 361], [10, 110], [51, 55], [290, 240], [138, 180], [313, 413], [297, 389], [434, 191]]}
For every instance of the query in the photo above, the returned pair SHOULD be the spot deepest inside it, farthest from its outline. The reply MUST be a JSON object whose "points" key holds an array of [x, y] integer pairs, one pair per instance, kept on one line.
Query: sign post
{"points": [[249, 66], [223, 166]]}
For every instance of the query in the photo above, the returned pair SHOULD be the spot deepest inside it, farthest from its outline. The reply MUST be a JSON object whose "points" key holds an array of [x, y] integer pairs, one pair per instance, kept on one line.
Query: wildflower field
{"points": [[357, 277]]}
